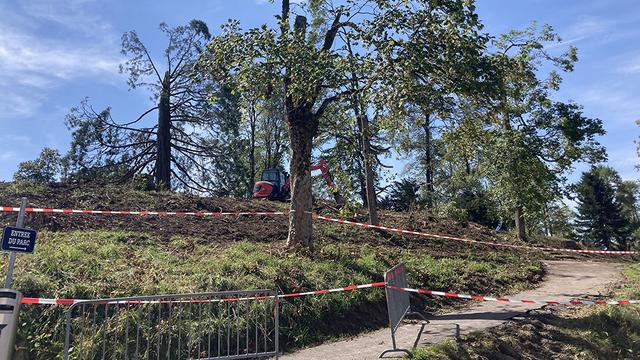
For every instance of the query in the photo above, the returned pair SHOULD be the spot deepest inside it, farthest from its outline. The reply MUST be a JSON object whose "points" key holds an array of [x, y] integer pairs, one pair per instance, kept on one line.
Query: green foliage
{"points": [[47, 168], [173, 147], [600, 219], [402, 196], [478, 206], [229, 173], [436, 58], [518, 142], [341, 142], [536, 139], [556, 219]]}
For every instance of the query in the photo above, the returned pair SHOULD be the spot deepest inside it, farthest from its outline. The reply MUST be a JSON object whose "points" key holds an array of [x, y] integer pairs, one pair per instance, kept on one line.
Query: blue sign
{"points": [[17, 239]]}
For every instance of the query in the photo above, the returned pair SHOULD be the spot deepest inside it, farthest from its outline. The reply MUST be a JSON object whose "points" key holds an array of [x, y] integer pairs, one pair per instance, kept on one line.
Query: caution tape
{"points": [[163, 213], [268, 213], [470, 241], [516, 301], [45, 301], [346, 288]]}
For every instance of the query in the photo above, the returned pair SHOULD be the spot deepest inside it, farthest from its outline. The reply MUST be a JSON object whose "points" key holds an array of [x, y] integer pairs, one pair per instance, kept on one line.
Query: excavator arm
{"points": [[322, 166], [265, 188]]}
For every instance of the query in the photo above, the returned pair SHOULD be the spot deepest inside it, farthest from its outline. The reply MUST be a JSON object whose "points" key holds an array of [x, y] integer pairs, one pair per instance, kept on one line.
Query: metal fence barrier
{"points": [[215, 325], [399, 305]]}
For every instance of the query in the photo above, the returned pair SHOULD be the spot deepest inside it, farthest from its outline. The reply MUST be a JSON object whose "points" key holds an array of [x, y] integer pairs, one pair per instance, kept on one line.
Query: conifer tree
{"points": [[600, 220]]}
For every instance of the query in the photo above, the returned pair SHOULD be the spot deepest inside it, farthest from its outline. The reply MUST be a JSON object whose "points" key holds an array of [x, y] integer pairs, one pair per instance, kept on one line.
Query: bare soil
{"points": [[218, 229]]}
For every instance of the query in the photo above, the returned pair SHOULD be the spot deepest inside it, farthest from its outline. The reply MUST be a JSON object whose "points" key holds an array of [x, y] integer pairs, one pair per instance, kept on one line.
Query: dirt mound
{"points": [[220, 229], [211, 229]]}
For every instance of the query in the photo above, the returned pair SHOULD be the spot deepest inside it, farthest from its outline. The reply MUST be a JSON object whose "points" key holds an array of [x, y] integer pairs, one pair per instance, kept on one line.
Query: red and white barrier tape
{"points": [[446, 237], [517, 301], [43, 301], [346, 288], [116, 212]]}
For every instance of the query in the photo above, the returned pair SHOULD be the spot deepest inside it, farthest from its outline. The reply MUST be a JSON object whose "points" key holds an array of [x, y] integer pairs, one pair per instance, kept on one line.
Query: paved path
{"points": [[564, 280]]}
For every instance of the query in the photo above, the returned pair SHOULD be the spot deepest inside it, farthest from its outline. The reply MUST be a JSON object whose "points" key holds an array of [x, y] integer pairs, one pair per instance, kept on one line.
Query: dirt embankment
{"points": [[216, 229]]}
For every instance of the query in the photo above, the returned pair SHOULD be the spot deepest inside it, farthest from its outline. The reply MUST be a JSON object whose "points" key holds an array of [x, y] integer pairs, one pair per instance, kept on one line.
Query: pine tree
{"points": [[600, 220]]}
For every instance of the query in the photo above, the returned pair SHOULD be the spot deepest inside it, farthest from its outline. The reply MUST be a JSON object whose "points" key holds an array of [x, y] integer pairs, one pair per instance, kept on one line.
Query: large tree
{"points": [[310, 62], [534, 140], [172, 146], [301, 59], [436, 58], [600, 218]]}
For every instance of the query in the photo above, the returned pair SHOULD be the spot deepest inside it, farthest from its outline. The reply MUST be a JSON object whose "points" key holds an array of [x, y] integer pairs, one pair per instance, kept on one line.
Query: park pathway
{"points": [[564, 280]]}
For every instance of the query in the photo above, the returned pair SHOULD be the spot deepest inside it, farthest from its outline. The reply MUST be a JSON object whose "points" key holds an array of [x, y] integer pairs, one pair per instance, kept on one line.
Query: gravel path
{"points": [[564, 280]]}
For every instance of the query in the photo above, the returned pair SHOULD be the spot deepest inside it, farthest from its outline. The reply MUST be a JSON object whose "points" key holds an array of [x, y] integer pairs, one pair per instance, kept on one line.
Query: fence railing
{"points": [[215, 325], [399, 305]]}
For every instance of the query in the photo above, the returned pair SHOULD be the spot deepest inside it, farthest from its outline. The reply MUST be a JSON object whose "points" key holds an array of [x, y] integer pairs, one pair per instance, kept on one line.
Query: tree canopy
{"points": [[473, 116]]}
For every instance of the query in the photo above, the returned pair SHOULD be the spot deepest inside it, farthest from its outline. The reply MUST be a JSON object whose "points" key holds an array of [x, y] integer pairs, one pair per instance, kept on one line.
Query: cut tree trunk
{"points": [[163, 161], [301, 131]]}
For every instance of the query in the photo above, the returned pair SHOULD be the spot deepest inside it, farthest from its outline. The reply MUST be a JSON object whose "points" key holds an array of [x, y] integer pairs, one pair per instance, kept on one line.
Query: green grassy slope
{"points": [[85, 256]]}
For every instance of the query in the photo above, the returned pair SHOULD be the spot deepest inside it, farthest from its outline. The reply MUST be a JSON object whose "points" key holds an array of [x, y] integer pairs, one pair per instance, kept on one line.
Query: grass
{"points": [[94, 264], [587, 332], [83, 256]]}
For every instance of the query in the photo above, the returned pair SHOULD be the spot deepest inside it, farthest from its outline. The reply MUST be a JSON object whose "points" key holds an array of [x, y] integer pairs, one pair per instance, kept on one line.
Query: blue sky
{"points": [[53, 53]]}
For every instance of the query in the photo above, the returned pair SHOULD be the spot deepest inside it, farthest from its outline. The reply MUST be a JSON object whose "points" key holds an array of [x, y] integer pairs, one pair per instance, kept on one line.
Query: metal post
{"points": [[276, 325], [9, 311], [12, 255]]}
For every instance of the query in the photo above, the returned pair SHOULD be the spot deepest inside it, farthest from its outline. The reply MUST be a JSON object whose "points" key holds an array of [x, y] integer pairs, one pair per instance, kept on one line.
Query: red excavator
{"points": [[275, 184]]}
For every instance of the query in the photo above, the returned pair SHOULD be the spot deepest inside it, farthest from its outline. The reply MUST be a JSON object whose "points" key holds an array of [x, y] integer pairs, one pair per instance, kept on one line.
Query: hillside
{"points": [[93, 256]]}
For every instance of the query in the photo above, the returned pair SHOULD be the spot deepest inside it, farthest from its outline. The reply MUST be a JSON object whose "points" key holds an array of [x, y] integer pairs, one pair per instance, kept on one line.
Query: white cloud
{"points": [[614, 101], [32, 61], [631, 65], [587, 27], [15, 105], [599, 31], [45, 43], [7, 155], [77, 15]]}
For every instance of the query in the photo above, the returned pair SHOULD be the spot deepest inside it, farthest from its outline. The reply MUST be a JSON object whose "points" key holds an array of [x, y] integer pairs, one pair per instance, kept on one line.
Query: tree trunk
{"points": [[362, 184], [302, 128], [519, 211], [428, 160], [365, 141], [369, 175], [372, 203], [520, 224], [163, 160], [252, 150]]}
